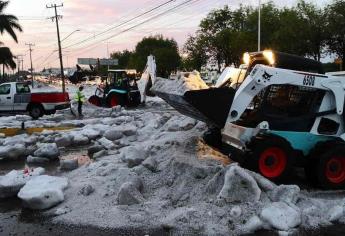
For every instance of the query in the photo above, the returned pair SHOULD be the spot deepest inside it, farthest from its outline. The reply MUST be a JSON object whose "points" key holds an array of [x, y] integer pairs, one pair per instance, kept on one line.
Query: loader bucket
{"points": [[208, 105]]}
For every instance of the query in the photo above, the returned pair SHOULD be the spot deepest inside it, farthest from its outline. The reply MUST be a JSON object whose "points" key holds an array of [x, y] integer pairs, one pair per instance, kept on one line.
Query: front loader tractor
{"points": [[276, 112], [120, 89]]}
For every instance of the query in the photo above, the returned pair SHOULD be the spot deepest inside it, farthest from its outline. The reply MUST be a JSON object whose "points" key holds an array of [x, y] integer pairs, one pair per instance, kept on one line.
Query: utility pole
{"points": [[56, 18], [108, 55], [19, 60], [22, 63], [32, 73], [259, 27]]}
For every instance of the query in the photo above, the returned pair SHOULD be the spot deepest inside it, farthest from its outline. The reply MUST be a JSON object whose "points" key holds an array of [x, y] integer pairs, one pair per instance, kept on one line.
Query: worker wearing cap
{"points": [[80, 98]]}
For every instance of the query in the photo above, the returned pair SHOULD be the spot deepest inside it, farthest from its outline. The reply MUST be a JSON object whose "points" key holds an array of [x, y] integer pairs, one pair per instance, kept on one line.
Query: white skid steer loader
{"points": [[276, 119]]}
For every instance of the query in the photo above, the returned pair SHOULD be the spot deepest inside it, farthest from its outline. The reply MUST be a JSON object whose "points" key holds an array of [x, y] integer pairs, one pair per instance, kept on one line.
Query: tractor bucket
{"points": [[211, 106]]}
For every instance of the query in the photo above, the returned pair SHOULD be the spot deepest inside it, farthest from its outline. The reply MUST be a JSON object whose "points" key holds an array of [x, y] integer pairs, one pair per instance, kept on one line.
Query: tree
{"points": [[195, 54], [222, 37], [8, 23], [123, 57], [165, 50], [314, 31], [336, 25], [289, 37], [6, 57], [269, 25]]}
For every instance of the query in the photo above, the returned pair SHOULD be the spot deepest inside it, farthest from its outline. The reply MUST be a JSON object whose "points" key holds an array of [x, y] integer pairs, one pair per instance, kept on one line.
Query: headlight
{"points": [[246, 58], [268, 54]]}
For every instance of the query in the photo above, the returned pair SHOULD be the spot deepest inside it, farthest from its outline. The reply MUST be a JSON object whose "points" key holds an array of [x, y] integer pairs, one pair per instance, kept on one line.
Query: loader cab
{"points": [[281, 60], [284, 107], [233, 77]]}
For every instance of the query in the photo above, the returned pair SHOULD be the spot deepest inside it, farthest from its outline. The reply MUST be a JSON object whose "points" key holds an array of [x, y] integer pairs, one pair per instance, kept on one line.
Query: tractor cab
{"points": [[119, 89], [120, 79]]}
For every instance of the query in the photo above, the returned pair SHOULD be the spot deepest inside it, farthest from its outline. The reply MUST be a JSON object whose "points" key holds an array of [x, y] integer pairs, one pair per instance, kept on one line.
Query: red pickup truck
{"points": [[17, 98]]}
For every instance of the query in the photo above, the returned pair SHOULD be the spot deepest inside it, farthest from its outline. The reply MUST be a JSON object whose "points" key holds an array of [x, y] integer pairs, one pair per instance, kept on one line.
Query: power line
{"points": [[150, 10], [166, 12], [121, 24], [139, 24]]}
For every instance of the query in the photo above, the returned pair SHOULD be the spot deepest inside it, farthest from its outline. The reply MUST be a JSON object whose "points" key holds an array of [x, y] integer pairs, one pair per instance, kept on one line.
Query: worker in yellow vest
{"points": [[80, 98]]}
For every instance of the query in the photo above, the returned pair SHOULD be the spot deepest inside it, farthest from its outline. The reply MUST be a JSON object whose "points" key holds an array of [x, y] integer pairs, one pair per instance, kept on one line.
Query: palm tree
{"points": [[6, 57], [8, 23]]}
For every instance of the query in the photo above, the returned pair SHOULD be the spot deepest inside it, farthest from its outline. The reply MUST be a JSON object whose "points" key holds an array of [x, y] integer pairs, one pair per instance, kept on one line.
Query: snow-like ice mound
{"points": [[281, 216], [48, 150], [43, 192], [185, 81], [239, 186], [11, 183], [12, 152]]}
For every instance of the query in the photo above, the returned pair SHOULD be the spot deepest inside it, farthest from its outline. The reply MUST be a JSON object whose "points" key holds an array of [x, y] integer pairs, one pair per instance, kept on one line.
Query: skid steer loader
{"points": [[273, 118]]}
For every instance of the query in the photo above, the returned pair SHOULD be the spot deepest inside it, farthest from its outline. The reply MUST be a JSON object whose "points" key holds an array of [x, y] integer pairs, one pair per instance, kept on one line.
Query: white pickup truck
{"points": [[17, 98]]}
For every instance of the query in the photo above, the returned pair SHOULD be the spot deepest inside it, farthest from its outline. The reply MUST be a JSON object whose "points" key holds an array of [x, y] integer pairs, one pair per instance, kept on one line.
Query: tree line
{"points": [[304, 29], [225, 34], [165, 50]]}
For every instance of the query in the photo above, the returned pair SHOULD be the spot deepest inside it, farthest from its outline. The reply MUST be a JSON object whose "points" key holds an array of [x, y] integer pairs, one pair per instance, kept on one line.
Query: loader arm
{"points": [[148, 78], [264, 76]]}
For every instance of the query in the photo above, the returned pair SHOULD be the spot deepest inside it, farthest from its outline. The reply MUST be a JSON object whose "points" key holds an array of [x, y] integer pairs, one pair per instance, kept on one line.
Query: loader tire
{"points": [[310, 167], [272, 158], [331, 168]]}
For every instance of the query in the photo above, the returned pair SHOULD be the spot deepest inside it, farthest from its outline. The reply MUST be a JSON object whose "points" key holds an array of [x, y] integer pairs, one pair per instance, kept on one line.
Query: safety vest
{"points": [[79, 97]]}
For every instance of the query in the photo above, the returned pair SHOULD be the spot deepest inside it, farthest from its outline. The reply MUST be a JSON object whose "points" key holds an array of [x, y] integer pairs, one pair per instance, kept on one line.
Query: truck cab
{"points": [[17, 98]]}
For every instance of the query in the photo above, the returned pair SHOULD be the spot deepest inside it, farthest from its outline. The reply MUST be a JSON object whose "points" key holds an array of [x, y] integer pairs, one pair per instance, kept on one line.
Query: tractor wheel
{"points": [[113, 100], [331, 168], [271, 157], [95, 101]]}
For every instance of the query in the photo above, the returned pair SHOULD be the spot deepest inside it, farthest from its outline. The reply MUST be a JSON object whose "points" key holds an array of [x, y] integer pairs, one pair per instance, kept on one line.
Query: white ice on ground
{"points": [[47, 150], [36, 160], [335, 213], [185, 82], [11, 183], [253, 224], [247, 189], [285, 193], [12, 152], [106, 143], [133, 156], [43, 192], [281, 216], [69, 164], [178, 190]]}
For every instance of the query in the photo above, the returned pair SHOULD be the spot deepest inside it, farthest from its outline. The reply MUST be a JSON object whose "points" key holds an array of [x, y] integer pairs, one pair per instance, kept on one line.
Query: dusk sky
{"points": [[93, 17]]}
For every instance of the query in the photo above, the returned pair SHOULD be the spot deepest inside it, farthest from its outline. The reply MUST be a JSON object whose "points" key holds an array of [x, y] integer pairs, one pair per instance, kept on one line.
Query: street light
{"points": [[70, 35]]}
